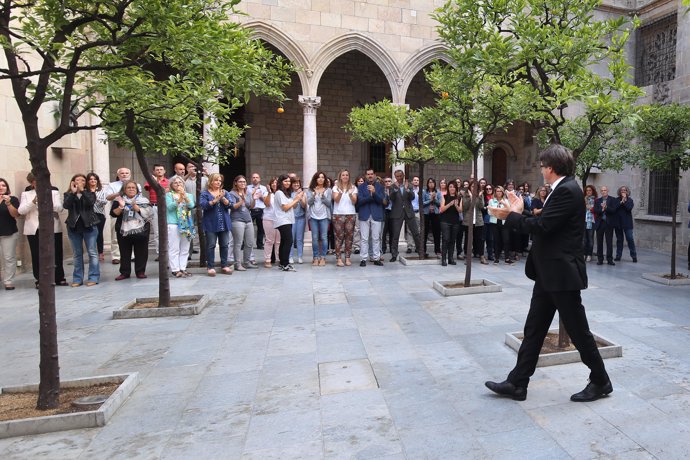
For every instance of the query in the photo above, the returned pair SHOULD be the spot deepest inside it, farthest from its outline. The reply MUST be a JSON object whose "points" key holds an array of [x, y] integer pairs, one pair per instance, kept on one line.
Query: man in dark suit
{"points": [[401, 196], [557, 266], [605, 221]]}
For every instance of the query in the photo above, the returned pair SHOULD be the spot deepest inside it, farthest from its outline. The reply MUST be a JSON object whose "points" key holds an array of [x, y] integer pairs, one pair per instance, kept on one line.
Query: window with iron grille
{"points": [[655, 60], [377, 157], [661, 188]]}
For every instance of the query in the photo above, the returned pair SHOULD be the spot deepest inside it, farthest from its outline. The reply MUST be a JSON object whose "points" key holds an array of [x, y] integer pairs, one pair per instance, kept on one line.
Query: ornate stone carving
{"points": [[310, 104], [662, 92], [310, 73]]}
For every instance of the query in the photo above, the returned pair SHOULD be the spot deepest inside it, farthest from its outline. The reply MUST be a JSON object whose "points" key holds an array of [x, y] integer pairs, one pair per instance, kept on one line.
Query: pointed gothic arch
{"points": [[354, 41]]}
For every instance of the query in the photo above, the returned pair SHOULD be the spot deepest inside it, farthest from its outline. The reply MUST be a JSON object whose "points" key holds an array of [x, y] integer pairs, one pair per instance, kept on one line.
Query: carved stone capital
{"points": [[310, 104]]}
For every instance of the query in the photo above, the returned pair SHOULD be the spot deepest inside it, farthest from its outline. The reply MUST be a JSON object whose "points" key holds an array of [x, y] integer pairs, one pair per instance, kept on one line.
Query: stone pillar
{"points": [[211, 148], [309, 150], [400, 144]]}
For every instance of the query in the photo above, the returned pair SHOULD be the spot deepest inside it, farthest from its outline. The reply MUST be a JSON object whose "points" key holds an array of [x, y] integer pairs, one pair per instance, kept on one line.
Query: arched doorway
{"points": [[499, 161]]}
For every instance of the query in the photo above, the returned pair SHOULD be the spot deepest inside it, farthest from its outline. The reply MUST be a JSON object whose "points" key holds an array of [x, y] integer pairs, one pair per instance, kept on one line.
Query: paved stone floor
{"points": [[359, 363]]}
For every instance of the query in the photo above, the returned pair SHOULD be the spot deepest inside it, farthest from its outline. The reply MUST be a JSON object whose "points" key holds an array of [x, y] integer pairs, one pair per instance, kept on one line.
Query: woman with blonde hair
{"points": [[344, 214], [215, 201], [319, 200], [181, 230]]}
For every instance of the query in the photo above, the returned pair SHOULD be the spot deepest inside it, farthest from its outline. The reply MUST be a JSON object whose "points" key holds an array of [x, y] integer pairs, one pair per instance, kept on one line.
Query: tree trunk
{"points": [[421, 246], [470, 226], [674, 219], [49, 386], [163, 277]]}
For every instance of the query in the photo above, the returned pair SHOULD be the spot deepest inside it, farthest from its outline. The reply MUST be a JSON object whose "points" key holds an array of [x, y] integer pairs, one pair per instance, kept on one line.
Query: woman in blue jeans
{"points": [[319, 197], [215, 202], [82, 227], [298, 227]]}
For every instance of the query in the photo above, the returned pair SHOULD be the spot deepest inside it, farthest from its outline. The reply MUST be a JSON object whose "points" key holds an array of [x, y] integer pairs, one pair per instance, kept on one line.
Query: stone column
{"points": [[400, 144], [309, 150], [211, 148]]}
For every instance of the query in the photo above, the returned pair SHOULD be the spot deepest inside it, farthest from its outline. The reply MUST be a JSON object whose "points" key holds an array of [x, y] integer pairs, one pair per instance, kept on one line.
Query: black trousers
{"points": [[387, 237], [449, 234], [100, 225], [33, 247], [501, 240], [258, 219], [139, 244], [432, 224], [477, 240], [461, 239], [572, 313], [285, 244], [605, 232]]}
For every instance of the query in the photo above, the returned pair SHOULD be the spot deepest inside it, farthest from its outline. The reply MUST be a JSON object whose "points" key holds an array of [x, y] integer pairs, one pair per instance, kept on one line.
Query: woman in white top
{"points": [[272, 241], [501, 232], [28, 207], [284, 208], [344, 215]]}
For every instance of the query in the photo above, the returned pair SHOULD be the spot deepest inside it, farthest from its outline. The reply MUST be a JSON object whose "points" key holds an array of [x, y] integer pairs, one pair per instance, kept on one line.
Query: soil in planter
{"points": [[154, 304], [679, 276], [461, 285], [551, 344], [16, 406]]}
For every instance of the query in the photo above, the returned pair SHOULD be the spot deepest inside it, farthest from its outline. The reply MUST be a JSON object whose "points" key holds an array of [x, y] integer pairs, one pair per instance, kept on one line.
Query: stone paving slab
{"points": [[241, 379]]}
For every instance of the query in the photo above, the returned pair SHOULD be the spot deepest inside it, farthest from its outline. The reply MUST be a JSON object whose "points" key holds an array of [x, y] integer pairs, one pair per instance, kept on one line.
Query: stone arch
{"points": [[354, 41], [417, 62], [286, 45]]}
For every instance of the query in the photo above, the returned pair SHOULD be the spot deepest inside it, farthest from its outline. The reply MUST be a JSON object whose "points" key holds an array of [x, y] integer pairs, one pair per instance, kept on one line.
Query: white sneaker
{"points": [[289, 268], [299, 260], [292, 261], [589, 258]]}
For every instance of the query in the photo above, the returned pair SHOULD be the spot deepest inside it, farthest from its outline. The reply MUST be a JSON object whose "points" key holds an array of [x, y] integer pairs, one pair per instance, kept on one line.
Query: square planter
{"points": [[659, 278], [194, 304], [607, 349], [478, 286], [413, 259], [62, 422]]}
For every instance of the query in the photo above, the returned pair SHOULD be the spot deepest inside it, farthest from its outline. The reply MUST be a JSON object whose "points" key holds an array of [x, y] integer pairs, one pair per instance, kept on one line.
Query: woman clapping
{"points": [[181, 228]]}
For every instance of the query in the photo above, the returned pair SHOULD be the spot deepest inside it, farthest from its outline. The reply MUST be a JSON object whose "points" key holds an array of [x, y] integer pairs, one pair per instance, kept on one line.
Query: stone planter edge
{"points": [[609, 350], [63, 422], [125, 312], [659, 278], [478, 286]]}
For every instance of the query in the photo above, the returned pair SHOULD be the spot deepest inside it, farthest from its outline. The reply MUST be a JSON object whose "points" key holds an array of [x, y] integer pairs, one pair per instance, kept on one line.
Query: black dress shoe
{"points": [[600, 262], [363, 263], [409, 250], [506, 388], [592, 392], [634, 259], [444, 263], [378, 263], [394, 258], [356, 251], [452, 262], [617, 259], [611, 262]]}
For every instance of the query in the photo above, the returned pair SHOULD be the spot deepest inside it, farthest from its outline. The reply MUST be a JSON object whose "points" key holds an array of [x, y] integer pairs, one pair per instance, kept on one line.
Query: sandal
{"points": [[227, 270], [339, 263], [211, 272], [347, 261], [267, 264]]}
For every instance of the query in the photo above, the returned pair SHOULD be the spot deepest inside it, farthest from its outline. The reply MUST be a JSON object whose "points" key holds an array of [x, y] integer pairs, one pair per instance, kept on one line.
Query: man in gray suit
{"points": [[401, 195]]}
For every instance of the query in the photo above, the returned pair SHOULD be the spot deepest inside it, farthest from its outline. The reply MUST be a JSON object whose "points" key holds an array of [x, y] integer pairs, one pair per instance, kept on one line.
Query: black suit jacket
{"points": [[401, 199], [556, 260]]}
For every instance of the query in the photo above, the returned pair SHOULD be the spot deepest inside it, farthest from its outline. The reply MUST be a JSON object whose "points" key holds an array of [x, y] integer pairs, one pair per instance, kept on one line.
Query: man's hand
{"points": [[516, 203], [499, 213]]}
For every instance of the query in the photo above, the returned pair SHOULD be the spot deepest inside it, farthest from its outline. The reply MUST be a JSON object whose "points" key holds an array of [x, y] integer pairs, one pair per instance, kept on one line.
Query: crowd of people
{"points": [[365, 215]]}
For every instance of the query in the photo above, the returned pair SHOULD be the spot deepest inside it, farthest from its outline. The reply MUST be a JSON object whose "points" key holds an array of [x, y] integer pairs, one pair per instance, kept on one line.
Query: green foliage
{"points": [[166, 61], [664, 131], [534, 59], [388, 123], [609, 149]]}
